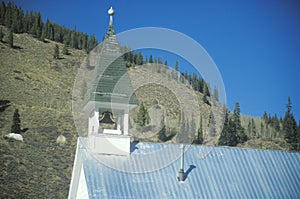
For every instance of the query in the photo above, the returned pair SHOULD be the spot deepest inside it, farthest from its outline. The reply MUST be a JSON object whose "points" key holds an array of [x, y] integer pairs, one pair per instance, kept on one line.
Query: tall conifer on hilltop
{"points": [[228, 135], [290, 126], [240, 131]]}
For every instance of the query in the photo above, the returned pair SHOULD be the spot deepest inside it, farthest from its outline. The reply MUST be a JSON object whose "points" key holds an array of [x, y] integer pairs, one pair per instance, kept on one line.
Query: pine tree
{"points": [[249, 129], [11, 39], [1, 35], [138, 58], [212, 125], [228, 135], [16, 126], [8, 15], [242, 137], [205, 93], [2, 13], [176, 67], [199, 138], [159, 60], [150, 59], [56, 52], [262, 129], [193, 126], [162, 133], [216, 94], [290, 126], [43, 34], [65, 50], [91, 43], [196, 82], [143, 116], [253, 128], [298, 136]]}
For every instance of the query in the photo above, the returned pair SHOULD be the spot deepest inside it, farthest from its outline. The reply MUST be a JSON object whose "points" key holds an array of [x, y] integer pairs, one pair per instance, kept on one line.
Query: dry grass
{"points": [[41, 88]]}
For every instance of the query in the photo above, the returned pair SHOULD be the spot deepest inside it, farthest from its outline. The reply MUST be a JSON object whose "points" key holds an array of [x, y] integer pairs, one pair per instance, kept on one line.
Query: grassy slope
{"points": [[41, 88]]}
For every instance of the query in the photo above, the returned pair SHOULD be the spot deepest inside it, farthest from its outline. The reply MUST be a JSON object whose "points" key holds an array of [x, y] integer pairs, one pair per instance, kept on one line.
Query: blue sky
{"points": [[255, 44]]}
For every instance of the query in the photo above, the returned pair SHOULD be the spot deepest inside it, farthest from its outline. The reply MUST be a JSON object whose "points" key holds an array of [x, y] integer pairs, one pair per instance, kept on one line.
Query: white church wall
{"points": [[94, 121], [110, 144]]}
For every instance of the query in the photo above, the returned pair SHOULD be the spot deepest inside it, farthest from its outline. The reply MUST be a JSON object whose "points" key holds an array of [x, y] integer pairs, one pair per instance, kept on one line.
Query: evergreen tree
{"points": [[249, 129], [138, 58], [16, 126], [216, 94], [242, 137], [159, 60], [228, 135], [212, 125], [265, 117], [298, 137], [199, 138], [176, 67], [92, 43], [290, 126], [143, 116], [205, 93], [8, 15], [275, 123], [65, 50], [262, 129], [253, 128], [2, 13], [193, 126], [162, 133], [196, 82], [11, 39], [1, 35], [56, 52], [150, 59], [175, 73], [43, 34]]}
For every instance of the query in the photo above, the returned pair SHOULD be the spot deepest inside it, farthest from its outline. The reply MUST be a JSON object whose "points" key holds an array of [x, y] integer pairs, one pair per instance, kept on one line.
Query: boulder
{"points": [[14, 136], [61, 140]]}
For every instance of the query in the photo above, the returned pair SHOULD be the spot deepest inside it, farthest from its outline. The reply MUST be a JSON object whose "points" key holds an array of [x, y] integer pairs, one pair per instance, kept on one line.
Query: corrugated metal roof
{"points": [[212, 172]]}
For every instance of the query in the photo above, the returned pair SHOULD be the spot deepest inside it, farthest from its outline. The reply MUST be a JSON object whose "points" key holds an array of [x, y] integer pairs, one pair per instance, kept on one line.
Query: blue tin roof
{"points": [[211, 172]]}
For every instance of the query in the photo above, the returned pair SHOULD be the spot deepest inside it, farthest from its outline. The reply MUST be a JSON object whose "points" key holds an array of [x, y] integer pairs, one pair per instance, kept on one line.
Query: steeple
{"points": [[110, 73], [110, 30]]}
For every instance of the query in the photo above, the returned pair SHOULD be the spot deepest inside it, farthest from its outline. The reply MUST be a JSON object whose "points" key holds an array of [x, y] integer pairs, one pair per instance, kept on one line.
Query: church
{"points": [[108, 165]]}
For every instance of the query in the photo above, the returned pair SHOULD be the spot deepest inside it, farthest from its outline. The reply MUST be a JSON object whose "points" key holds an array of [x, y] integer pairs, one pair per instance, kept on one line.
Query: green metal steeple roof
{"points": [[111, 82]]}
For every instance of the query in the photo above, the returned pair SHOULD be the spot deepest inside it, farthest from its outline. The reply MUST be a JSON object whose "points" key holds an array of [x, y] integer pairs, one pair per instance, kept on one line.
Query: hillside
{"points": [[41, 88]]}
